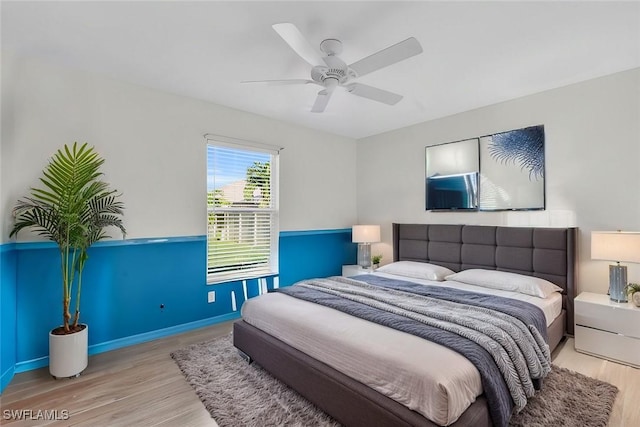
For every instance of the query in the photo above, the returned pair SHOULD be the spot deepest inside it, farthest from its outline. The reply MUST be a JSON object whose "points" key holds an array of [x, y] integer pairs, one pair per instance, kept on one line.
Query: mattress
{"points": [[387, 360]]}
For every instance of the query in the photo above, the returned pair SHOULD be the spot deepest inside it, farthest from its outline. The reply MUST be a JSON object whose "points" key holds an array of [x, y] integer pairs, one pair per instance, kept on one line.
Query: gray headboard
{"points": [[549, 253]]}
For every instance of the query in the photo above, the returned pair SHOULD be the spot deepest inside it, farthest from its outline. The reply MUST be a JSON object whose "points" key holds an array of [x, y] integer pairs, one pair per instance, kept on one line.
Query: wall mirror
{"points": [[502, 171]]}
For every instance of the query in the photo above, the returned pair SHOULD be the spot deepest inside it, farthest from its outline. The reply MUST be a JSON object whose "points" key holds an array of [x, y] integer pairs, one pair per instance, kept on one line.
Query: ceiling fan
{"points": [[330, 71]]}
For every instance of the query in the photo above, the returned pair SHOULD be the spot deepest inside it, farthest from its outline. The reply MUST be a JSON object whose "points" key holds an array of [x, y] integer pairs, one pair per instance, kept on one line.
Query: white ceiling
{"points": [[475, 53]]}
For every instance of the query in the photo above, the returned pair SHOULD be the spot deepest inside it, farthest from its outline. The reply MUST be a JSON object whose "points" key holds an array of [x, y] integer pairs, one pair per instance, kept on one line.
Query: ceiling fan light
{"points": [[331, 83]]}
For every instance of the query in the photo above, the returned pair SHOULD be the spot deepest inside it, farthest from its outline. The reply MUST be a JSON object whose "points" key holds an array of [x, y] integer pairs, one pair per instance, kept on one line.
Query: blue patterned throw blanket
{"points": [[504, 338]]}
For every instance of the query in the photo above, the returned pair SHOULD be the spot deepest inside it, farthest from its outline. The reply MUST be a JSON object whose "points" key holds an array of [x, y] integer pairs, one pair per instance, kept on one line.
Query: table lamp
{"points": [[617, 246], [364, 235]]}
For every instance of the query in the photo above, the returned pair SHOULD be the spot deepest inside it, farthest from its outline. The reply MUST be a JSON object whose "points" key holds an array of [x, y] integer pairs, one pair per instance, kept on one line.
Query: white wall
{"points": [[155, 151], [155, 155], [592, 165]]}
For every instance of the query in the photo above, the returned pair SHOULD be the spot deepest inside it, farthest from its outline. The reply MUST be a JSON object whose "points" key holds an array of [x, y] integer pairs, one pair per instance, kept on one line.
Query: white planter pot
{"points": [[635, 298], [68, 354]]}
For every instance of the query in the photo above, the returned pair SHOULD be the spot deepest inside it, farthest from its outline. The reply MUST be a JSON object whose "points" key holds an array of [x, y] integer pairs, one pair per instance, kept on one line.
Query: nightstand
{"points": [[607, 329], [354, 270]]}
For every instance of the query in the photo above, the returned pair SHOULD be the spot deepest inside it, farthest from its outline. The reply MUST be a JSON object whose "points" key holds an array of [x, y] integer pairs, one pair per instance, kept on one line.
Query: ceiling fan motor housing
{"points": [[320, 73], [335, 69]]}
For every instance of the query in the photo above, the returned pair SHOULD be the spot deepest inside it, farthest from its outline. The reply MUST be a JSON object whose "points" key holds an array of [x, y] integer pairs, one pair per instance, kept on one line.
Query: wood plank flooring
{"points": [[142, 386], [134, 386]]}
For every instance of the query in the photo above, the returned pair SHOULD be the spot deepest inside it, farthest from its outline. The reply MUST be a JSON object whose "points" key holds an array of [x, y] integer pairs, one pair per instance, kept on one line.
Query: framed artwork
{"points": [[452, 172], [503, 171], [512, 170]]}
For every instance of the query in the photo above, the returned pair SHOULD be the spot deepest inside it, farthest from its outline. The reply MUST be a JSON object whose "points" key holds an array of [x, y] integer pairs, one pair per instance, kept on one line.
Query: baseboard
{"points": [[131, 340], [160, 333]]}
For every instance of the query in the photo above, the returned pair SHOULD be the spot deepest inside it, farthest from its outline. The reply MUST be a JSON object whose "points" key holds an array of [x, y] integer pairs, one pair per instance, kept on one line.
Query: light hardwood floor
{"points": [[142, 386]]}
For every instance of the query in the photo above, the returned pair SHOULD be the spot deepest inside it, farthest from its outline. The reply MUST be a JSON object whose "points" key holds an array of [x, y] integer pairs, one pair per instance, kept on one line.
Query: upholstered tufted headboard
{"points": [[549, 253]]}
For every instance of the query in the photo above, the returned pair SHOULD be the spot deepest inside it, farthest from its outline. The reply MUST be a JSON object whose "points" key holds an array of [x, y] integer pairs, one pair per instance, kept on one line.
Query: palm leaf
{"points": [[523, 147]]}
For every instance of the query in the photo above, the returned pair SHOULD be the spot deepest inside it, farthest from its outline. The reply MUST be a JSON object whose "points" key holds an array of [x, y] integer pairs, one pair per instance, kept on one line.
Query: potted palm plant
{"points": [[73, 209]]}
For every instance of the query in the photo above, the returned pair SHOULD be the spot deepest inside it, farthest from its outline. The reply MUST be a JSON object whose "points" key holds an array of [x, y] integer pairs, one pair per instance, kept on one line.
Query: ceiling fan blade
{"points": [[321, 101], [298, 42], [281, 82], [373, 93], [396, 53]]}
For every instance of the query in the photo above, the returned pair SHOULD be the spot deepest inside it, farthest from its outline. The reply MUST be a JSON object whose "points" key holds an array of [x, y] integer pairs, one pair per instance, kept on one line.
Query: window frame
{"points": [[272, 266]]}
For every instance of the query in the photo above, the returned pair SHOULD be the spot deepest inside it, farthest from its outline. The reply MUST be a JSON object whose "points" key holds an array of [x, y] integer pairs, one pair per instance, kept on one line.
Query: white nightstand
{"points": [[354, 270], [607, 329]]}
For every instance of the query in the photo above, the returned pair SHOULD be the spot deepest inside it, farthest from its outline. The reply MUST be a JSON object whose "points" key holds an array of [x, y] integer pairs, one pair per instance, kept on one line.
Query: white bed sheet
{"points": [[426, 377]]}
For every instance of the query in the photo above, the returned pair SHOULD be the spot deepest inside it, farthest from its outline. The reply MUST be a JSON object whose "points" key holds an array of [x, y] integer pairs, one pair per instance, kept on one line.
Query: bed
{"points": [[547, 253]]}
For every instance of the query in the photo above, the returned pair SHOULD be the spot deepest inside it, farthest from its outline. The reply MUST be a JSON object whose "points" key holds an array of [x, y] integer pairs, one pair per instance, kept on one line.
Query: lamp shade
{"points": [[619, 246], [365, 233]]}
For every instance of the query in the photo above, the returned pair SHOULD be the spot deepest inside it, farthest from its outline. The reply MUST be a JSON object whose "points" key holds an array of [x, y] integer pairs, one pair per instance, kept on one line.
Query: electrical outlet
{"points": [[211, 296]]}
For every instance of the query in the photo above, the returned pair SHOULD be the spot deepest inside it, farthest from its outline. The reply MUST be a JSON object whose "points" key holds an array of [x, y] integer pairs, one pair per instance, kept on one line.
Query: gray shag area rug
{"points": [[237, 394]]}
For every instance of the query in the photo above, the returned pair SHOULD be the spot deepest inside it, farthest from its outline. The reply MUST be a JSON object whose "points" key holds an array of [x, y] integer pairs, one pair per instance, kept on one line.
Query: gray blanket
{"points": [[505, 339]]}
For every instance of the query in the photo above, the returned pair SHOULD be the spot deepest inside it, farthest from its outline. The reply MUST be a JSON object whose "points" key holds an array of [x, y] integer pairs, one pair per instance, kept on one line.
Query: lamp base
{"points": [[364, 255], [617, 283]]}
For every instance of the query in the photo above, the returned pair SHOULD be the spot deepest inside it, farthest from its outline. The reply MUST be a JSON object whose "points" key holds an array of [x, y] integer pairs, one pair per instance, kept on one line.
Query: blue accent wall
{"points": [[8, 307], [126, 282], [315, 253]]}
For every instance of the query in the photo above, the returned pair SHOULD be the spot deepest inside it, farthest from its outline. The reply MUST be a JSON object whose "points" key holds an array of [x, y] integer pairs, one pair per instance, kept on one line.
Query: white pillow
{"points": [[506, 281], [417, 270]]}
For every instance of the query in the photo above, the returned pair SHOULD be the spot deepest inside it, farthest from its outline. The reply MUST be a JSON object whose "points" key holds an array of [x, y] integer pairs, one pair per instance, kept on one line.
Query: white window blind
{"points": [[242, 211]]}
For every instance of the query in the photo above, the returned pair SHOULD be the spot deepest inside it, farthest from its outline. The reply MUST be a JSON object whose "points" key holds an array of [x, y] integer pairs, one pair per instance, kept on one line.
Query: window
{"points": [[242, 210]]}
